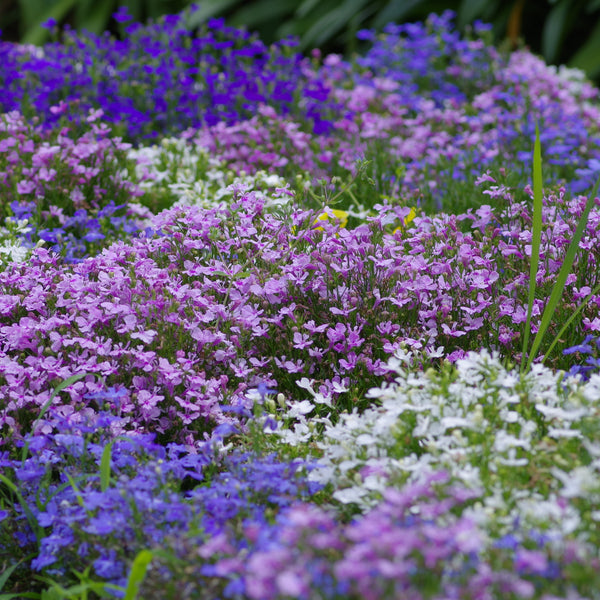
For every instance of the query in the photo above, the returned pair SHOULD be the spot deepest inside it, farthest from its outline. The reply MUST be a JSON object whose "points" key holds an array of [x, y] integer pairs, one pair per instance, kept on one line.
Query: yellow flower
{"points": [[411, 215], [340, 215]]}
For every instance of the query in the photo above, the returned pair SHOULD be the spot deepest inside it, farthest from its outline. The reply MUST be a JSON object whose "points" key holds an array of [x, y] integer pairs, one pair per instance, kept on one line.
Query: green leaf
{"points": [[331, 23], [56, 592], [469, 10], [33, 523], [208, 9], [252, 15], [536, 236], [587, 57], [570, 320], [554, 30], [396, 11], [76, 490], [4, 577], [137, 574], [97, 18], [7, 573], [35, 33], [306, 8]]}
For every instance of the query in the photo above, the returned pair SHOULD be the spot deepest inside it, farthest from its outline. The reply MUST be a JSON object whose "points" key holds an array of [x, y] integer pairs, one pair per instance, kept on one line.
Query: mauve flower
{"points": [[25, 187]]}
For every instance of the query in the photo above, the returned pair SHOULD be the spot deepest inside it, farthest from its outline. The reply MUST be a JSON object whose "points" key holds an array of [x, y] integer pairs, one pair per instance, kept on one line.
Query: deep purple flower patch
{"points": [[162, 78]]}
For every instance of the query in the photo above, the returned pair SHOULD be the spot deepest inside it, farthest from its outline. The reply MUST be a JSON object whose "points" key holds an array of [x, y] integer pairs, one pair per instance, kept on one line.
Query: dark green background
{"points": [[562, 31]]}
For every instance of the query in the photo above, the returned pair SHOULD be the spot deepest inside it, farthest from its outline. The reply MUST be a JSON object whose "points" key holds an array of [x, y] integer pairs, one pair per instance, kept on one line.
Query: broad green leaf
{"points": [[396, 11], [97, 18], [209, 9], [469, 10], [554, 30], [307, 7], [252, 15], [35, 33], [587, 57], [332, 22]]}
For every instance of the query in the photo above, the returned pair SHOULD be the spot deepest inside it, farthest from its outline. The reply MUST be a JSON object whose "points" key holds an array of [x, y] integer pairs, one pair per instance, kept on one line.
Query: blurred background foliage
{"points": [[562, 31]]}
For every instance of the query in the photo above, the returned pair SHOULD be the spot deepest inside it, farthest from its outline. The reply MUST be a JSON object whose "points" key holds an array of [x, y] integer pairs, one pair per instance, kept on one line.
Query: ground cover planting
{"points": [[279, 326]]}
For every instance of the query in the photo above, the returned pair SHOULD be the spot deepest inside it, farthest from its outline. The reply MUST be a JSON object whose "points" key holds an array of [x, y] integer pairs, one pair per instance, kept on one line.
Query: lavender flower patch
{"points": [[65, 189]]}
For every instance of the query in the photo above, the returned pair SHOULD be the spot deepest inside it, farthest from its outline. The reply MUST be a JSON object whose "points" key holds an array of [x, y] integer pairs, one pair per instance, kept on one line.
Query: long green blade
{"points": [[105, 466], [39, 532], [137, 574], [536, 236], [565, 269], [4, 577], [581, 306]]}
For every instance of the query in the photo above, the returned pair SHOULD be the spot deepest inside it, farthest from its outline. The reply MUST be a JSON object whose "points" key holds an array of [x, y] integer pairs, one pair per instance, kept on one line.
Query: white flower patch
{"points": [[189, 176], [580, 482], [488, 427]]}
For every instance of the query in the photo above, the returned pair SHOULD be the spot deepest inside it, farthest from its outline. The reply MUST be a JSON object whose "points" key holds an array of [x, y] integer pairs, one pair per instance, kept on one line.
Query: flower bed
{"points": [[264, 319]]}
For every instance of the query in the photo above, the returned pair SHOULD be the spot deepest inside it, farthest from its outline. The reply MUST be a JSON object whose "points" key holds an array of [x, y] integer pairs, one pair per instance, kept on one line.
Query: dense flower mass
{"points": [[161, 78], [279, 327], [66, 187]]}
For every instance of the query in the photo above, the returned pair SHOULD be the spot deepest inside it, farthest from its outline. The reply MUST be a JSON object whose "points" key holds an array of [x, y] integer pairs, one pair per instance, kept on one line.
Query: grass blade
{"points": [[536, 236], [137, 574], [4, 577], [35, 527], [570, 320], [105, 466]]}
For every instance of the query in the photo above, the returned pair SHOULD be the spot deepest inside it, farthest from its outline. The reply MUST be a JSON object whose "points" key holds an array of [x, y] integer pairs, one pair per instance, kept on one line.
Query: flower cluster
{"points": [[412, 545], [222, 299], [100, 496], [66, 187], [179, 174]]}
